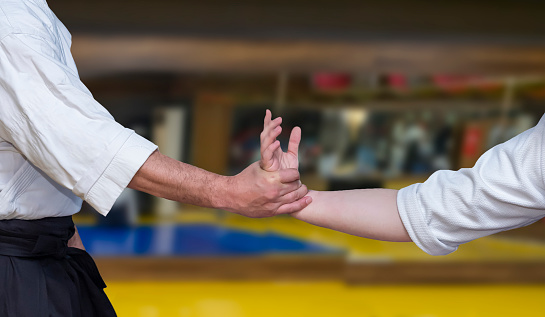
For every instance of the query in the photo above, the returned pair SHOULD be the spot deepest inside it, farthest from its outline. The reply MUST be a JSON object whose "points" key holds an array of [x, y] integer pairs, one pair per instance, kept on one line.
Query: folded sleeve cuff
{"points": [[416, 223], [119, 172]]}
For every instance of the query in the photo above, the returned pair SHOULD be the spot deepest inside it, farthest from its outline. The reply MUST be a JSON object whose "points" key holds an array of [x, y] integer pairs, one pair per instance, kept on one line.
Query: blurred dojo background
{"points": [[386, 93]]}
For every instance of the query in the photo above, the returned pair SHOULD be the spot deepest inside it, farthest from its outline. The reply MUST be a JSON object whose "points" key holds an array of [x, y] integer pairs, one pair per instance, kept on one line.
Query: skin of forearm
{"points": [[165, 177], [368, 213]]}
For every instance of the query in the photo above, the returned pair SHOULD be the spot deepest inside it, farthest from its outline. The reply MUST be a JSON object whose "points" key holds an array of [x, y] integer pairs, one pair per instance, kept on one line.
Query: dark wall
{"points": [[502, 20]]}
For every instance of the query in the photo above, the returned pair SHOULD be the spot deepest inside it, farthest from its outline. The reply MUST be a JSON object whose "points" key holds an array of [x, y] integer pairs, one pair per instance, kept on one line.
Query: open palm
{"points": [[272, 156]]}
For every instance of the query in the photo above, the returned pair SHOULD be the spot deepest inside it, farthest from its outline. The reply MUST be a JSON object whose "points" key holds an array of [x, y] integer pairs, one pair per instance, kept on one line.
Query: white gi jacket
{"points": [[57, 144], [504, 190]]}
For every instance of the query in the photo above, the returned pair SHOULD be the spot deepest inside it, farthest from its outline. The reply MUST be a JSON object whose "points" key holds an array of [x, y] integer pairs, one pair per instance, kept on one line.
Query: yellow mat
{"points": [[331, 299]]}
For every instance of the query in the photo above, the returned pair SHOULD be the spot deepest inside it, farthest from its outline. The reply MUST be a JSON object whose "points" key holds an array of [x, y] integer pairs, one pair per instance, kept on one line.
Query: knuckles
{"points": [[272, 194]]}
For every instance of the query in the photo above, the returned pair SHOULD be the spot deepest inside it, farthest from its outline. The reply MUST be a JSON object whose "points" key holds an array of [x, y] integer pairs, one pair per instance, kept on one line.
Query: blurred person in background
{"points": [[59, 146], [504, 190]]}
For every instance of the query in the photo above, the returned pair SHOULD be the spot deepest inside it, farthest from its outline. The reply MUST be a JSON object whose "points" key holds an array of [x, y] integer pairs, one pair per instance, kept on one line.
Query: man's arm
{"points": [[252, 193]]}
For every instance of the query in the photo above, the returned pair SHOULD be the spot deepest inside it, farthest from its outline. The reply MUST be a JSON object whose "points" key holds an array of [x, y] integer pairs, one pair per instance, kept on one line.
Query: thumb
{"points": [[295, 139]]}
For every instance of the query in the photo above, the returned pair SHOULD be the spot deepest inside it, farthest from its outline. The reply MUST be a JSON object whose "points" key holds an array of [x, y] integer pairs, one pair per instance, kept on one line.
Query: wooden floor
{"points": [[318, 268]]}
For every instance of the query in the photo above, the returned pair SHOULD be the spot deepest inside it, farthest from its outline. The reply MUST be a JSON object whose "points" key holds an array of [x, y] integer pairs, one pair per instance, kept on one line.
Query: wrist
{"points": [[311, 208], [224, 197]]}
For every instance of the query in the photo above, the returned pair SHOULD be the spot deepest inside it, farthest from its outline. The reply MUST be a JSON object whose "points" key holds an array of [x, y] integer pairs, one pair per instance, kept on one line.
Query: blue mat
{"points": [[190, 240]]}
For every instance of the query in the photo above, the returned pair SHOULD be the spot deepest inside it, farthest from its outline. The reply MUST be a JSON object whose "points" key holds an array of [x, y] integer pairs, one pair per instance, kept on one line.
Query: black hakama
{"points": [[41, 276]]}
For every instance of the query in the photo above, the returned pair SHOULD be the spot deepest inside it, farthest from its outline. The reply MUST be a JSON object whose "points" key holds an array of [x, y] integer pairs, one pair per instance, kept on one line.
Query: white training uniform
{"points": [[58, 145], [504, 190]]}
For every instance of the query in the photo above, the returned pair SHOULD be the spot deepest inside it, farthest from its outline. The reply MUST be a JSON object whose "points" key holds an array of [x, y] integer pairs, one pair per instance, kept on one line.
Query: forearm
{"points": [[253, 192], [165, 177], [369, 213]]}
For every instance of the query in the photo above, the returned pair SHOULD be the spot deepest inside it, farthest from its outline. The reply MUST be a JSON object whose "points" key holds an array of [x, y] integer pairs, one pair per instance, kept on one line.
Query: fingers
{"points": [[269, 145], [288, 175], [267, 156], [268, 116], [294, 195], [272, 135], [271, 130], [288, 188], [294, 206], [295, 139], [269, 126]]}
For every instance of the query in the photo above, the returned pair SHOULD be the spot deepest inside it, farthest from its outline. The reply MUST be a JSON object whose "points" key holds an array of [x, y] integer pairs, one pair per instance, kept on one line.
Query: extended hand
{"points": [[272, 156], [272, 187], [273, 159]]}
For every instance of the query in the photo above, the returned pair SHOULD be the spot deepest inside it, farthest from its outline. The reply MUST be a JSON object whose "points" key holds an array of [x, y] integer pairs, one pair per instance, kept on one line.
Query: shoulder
{"points": [[35, 28], [28, 18]]}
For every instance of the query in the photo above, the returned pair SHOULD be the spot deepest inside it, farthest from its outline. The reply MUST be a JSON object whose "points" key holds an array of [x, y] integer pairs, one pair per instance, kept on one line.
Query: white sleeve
{"points": [[53, 120], [504, 190]]}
